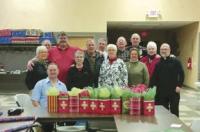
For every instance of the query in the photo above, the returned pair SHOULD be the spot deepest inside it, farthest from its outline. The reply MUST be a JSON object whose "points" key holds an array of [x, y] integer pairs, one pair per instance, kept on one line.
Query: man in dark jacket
{"points": [[168, 77], [94, 59]]}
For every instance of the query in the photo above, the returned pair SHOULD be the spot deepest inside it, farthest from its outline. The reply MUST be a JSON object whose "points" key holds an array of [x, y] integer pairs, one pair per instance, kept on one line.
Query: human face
{"points": [[151, 50], [47, 45], [79, 58], [121, 44], [91, 46], [165, 50], [42, 55], [112, 53], [134, 55], [102, 46], [135, 40], [52, 71], [63, 43]]}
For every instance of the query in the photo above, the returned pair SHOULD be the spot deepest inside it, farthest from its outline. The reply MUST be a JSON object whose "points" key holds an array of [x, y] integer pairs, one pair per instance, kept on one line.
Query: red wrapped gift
{"points": [[104, 106], [149, 108], [84, 101], [74, 104], [52, 103], [18, 40], [116, 106], [135, 106], [94, 105], [84, 105], [63, 103], [5, 33]]}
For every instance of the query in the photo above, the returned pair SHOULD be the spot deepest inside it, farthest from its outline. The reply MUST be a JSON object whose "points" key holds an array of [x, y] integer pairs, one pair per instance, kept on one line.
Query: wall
{"points": [[89, 15], [187, 38]]}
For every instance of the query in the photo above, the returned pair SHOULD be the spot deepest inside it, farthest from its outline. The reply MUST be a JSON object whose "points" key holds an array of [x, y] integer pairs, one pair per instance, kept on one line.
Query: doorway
{"points": [[181, 35]]}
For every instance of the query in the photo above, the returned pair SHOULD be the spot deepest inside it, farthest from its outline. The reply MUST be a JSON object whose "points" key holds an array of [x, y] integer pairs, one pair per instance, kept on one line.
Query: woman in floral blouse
{"points": [[113, 70]]}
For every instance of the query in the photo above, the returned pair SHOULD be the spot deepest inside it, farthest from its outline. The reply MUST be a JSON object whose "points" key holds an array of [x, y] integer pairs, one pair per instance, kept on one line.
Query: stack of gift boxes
{"points": [[25, 36], [5, 36], [104, 101]]}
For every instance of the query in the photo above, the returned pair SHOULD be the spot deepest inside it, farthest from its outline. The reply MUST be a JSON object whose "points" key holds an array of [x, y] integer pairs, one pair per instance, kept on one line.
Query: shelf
{"points": [[18, 47]]}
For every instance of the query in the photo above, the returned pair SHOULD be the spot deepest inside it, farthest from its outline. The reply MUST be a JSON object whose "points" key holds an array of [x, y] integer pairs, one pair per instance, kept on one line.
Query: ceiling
{"points": [[147, 24]]}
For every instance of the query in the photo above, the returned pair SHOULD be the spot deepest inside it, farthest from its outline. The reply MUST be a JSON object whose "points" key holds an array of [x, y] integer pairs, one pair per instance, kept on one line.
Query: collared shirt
{"points": [[123, 54], [64, 59], [41, 88]]}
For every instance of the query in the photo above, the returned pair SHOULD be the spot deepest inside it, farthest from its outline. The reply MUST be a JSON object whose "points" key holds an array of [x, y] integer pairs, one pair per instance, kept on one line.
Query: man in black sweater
{"points": [[168, 77]]}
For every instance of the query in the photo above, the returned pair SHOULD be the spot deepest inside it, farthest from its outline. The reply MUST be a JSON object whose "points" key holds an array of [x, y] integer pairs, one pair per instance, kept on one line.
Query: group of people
{"points": [[64, 67]]}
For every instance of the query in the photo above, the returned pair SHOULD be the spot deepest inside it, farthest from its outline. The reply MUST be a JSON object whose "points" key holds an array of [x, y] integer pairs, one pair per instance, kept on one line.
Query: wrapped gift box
{"points": [[18, 40], [104, 106], [94, 105], [32, 40], [74, 104], [5, 40], [51, 39], [33, 32], [52, 103], [47, 34], [19, 33], [84, 105], [116, 106], [125, 105], [63, 103], [135, 106], [5, 33], [149, 108]]}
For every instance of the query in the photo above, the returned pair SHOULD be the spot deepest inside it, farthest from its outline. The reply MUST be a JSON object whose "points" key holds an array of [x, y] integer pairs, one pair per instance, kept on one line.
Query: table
{"points": [[124, 123]]}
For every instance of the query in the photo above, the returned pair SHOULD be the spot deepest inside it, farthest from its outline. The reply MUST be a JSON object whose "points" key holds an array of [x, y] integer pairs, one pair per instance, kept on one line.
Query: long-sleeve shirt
{"points": [[64, 59], [137, 73], [41, 89], [167, 76], [39, 72], [79, 78], [150, 63], [114, 74]]}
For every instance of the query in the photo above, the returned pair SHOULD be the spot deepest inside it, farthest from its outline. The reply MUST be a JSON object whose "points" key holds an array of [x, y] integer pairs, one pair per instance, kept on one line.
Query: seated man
{"points": [[39, 95]]}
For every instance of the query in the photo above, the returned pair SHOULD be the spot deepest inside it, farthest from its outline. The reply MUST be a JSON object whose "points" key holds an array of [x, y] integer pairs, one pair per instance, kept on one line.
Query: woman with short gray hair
{"points": [[113, 71], [39, 69]]}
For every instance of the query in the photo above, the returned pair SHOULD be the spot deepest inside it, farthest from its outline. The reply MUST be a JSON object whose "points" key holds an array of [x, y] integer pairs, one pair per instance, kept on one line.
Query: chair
{"points": [[195, 126], [23, 100]]}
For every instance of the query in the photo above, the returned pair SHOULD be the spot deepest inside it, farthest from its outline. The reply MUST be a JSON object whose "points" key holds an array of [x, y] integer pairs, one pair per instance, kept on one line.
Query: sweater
{"points": [[137, 73], [79, 78], [150, 63], [39, 72]]}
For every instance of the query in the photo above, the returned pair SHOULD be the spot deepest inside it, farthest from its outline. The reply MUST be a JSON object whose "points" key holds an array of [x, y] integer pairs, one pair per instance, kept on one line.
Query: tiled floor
{"points": [[189, 104]]}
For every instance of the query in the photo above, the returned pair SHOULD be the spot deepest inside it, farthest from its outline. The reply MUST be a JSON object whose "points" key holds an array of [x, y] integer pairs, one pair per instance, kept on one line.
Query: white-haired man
{"points": [[168, 77]]}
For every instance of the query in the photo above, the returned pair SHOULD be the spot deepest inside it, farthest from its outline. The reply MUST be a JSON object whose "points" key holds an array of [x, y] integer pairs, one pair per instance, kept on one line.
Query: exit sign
{"points": [[153, 13]]}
